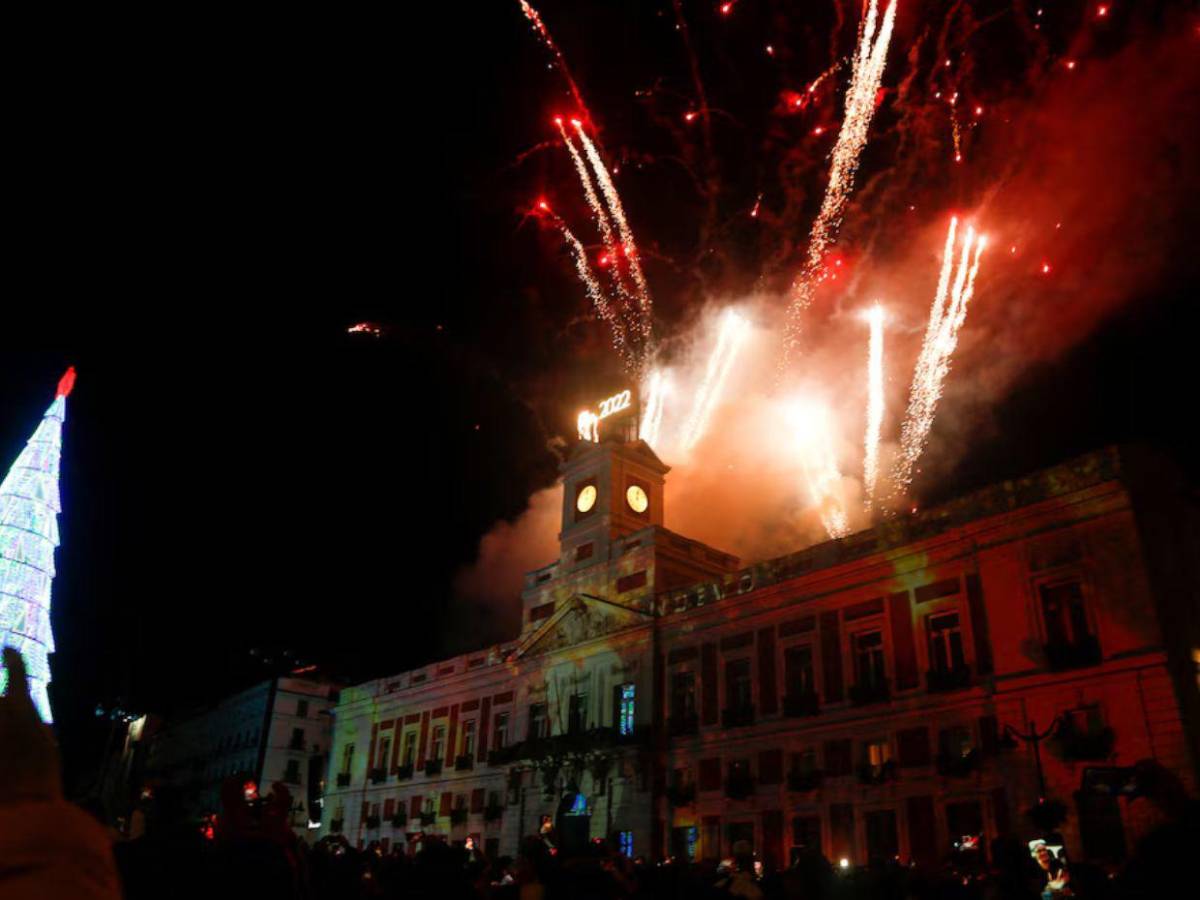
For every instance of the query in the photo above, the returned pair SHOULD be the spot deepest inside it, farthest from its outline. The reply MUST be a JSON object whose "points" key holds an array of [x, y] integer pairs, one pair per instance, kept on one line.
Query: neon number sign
{"points": [[615, 404], [588, 422]]}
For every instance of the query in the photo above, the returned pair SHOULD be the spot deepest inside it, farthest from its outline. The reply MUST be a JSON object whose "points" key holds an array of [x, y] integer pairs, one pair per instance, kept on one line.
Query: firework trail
{"points": [[810, 426], [543, 33], [874, 403], [628, 245], [656, 395], [589, 192], [865, 77], [946, 316], [733, 333], [596, 293]]}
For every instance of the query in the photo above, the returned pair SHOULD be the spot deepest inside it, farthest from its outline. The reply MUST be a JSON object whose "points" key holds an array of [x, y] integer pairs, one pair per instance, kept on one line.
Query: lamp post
{"points": [[1033, 736]]}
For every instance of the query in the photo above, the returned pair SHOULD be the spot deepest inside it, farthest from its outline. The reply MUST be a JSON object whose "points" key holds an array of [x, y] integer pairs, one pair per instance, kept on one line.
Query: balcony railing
{"points": [[1076, 654], [433, 767], [372, 821], [378, 775], [801, 703], [957, 765], [569, 744], [737, 716], [343, 779], [869, 773], [504, 755], [804, 781], [682, 725], [739, 785], [864, 693], [458, 816], [464, 763], [681, 794], [955, 679], [400, 820], [404, 772]]}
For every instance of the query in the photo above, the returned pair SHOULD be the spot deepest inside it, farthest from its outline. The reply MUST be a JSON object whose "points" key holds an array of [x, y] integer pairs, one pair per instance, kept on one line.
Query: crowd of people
{"points": [[51, 849]]}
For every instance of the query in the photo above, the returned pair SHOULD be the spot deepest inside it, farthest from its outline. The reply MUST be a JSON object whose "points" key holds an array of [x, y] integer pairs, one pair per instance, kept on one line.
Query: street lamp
{"points": [[1033, 736]]}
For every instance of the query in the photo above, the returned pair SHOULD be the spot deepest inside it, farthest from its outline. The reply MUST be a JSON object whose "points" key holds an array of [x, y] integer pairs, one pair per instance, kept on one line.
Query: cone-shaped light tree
{"points": [[29, 508]]}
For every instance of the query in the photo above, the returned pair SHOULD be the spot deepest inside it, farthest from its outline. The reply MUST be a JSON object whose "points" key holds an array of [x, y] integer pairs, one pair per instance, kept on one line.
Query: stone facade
{"points": [[871, 695]]}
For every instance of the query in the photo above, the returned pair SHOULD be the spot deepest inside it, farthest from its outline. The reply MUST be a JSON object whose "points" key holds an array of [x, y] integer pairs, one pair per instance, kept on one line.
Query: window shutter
{"points": [[444, 807]]}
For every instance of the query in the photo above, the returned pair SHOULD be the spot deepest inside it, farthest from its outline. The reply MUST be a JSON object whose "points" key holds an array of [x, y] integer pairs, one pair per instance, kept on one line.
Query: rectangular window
{"points": [[302, 709], [347, 758], [956, 743], [883, 841], [878, 753], [683, 695], [945, 643], [539, 725], [798, 670], [738, 686], [625, 718], [437, 749], [410, 748], [297, 741], [1064, 613], [500, 731], [468, 738], [683, 842], [292, 775], [625, 843], [385, 752], [868, 659], [577, 711], [804, 762], [806, 832]]}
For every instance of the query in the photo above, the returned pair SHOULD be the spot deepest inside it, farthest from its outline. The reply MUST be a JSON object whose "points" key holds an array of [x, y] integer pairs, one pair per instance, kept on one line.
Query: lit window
{"points": [[945, 643], [500, 731], [539, 725], [878, 753], [1064, 613], [625, 720], [625, 842], [468, 738], [437, 751]]}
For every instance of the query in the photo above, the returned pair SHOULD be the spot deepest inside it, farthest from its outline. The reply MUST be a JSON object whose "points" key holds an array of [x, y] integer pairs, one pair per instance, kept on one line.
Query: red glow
{"points": [[1070, 64], [1045, 268], [543, 205], [958, 157], [979, 110], [558, 120], [603, 260], [1101, 11], [689, 117], [67, 382], [577, 123], [770, 50], [726, 8], [818, 130]]}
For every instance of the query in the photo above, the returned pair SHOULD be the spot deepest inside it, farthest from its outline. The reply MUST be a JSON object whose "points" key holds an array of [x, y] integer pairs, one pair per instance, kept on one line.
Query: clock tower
{"points": [[610, 489]]}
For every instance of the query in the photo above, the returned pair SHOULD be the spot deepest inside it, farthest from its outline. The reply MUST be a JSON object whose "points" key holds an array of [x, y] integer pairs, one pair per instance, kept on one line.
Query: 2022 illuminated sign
{"points": [[588, 423]]}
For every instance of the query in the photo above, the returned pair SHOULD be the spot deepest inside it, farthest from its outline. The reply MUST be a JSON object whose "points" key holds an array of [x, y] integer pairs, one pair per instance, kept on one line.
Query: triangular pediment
{"points": [[582, 618]]}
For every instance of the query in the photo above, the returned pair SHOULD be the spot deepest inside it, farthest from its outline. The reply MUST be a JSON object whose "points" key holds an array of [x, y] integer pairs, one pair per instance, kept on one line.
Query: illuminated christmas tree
{"points": [[29, 508]]}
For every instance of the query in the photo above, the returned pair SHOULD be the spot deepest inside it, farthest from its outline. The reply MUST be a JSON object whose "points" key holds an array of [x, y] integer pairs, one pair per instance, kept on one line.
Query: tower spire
{"points": [[29, 508]]}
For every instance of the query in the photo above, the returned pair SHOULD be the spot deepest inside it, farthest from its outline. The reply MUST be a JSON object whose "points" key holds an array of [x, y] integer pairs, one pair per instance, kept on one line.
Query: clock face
{"points": [[586, 499], [637, 499]]}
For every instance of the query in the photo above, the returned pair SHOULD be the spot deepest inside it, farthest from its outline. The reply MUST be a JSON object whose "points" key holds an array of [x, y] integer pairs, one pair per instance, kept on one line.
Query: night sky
{"points": [[201, 210]]}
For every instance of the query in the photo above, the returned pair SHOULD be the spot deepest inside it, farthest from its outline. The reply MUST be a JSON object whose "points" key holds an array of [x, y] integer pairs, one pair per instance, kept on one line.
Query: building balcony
{"points": [[873, 774], [958, 765], [378, 775], [400, 820], [404, 772], [502, 756], [1062, 655], [493, 812], [737, 716], [464, 763], [683, 725], [1075, 745], [343, 779], [681, 794], [433, 767], [941, 680], [458, 816], [372, 821], [803, 782], [427, 819], [739, 786], [335, 826], [801, 703], [864, 693]]}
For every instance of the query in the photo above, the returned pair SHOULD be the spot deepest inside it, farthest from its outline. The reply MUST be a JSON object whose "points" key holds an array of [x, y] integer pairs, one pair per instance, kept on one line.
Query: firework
{"points": [[628, 245], [652, 413], [810, 427], [733, 333], [946, 316], [865, 77], [543, 33], [620, 339], [874, 403]]}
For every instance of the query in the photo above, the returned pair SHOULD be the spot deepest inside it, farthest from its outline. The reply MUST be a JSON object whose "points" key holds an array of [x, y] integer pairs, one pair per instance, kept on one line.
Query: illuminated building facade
{"points": [[278, 730], [869, 696]]}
